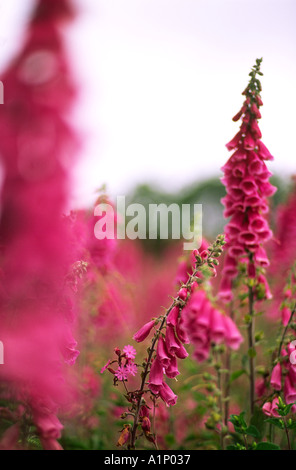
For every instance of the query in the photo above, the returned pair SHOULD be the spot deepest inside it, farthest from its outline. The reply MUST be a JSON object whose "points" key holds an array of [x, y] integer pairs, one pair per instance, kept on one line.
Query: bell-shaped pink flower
{"points": [[249, 186], [10, 437], [225, 291], [289, 391], [167, 395], [181, 353], [260, 387], [171, 341], [143, 332], [181, 332], [274, 405], [172, 318], [201, 354], [172, 368], [230, 266], [234, 142], [261, 257], [255, 111], [270, 408], [48, 425], [183, 293], [276, 377], [162, 352], [266, 408], [233, 337], [249, 142], [199, 338], [255, 129], [156, 373], [256, 166], [236, 251], [239, 169], [286, 315], [217, 327], [263, 152]]}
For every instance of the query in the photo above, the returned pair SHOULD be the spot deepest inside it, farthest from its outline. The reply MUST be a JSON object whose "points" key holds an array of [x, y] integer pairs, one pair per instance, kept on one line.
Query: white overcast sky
{"points": [[161, 79]]}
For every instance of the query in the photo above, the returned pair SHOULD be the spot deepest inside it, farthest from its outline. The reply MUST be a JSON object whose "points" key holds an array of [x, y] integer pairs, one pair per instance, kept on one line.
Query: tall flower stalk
{"points": [[246, 179], [37, 306], [167, 346]]}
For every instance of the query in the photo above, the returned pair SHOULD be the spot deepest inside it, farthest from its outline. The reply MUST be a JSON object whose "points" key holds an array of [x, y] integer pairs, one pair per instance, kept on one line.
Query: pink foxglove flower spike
{"points": [[246, 179]]}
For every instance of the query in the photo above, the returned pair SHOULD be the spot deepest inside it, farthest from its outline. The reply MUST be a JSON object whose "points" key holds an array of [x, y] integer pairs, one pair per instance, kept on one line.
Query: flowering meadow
{"points": [[108, 345]]}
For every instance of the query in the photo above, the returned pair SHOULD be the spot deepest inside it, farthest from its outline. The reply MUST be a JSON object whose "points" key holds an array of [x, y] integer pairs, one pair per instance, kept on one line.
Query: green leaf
{"points": [[243, 296], [292, 425], [253, 431], [267, 446], [276, 422], [232, 447], [235, 375], [239, 422], [286, 410], [258, 420]]}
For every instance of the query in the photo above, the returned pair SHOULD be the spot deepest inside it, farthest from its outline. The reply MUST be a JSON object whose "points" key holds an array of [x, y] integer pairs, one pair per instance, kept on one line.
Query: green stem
{"points": [[227, 376], [287, 434], [144, 377], [245, 441], [151, 352], [251, 344], [219, 385], [212, 251]]}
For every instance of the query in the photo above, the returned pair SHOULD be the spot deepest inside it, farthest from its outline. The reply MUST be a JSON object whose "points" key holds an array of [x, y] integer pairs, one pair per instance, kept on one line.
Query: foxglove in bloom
{"points": [[37, 316], [283, 248], [246, 179]]}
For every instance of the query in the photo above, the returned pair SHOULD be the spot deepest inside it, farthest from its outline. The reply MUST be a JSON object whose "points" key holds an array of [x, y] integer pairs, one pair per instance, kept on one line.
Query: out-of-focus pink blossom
{"points": [[283, 249], [233, 338], [9, 439], [205, 324], [37, 147], [48, 425], [260, 387], [51, 444]]}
